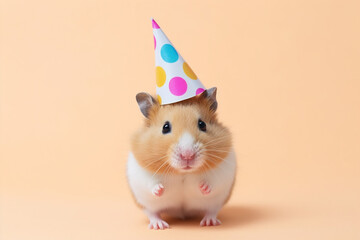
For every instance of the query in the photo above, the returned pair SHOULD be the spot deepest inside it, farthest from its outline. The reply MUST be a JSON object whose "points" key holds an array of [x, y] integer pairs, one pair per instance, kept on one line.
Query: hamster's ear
{"points": [[145, 101], [210, 95]]}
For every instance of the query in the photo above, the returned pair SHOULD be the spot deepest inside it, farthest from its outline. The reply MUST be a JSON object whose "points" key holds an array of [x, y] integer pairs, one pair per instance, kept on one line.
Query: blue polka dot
{"points": [[169, 54]]}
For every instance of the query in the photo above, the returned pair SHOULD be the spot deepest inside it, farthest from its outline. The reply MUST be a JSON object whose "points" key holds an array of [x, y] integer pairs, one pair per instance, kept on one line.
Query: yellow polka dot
{"points": [[189, 72], [160, 76], [159, 99]]}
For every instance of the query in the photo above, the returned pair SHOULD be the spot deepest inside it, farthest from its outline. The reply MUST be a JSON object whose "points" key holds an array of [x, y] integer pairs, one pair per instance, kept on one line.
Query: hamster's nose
{"points": [[187, 155]]}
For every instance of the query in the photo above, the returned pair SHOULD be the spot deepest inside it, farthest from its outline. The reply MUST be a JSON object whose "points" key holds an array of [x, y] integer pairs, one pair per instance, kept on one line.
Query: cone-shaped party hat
{"points": [[175, 80]]}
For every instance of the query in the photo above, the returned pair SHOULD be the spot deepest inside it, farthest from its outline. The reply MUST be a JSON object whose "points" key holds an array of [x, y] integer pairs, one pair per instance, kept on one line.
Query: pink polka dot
{"points": [[154, 24], [199, 90], [154, 42], [177, 86]]}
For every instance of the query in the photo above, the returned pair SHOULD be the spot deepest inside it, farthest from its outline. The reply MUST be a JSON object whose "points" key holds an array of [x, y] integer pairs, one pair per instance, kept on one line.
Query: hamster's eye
{"points": [[202, 125], [166, 128]]}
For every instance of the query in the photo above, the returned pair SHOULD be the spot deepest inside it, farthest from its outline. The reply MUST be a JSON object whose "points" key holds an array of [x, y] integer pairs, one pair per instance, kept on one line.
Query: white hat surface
{"points": [[175, 80]]}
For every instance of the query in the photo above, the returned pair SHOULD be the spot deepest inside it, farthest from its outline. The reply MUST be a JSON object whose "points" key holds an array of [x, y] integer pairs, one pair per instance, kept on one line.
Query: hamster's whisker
{"points": [[206, 153], [159, 169], [217, 139], [156, 156], [220, 168], [165, 173], [213, 160], [205, 170], [152, 162], [218, 150], [215, 142], [214, 156], [202, 169], [156, 160], [168, 172], [206, 165], [212, 171]]}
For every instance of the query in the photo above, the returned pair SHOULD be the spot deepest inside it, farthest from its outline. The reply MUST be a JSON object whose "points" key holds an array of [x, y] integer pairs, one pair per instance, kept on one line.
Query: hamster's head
{"points": [[181, 137]]}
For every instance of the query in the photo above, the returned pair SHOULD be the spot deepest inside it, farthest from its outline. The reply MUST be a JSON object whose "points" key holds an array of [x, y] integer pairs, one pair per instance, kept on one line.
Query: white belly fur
{"points": [[182, 194]]}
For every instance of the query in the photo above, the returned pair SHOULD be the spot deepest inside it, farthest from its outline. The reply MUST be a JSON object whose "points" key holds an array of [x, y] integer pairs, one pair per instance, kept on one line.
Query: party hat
{"points": [[175, 80]]}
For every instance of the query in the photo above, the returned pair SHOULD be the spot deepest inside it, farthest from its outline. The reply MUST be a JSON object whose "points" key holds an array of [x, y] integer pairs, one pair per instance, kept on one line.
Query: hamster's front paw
{"points": [[205, 188], [158, 190]]}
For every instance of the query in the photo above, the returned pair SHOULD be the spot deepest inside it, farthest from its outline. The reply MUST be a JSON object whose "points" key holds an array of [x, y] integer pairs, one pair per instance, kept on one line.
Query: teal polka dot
{"points": [[169, 54]]}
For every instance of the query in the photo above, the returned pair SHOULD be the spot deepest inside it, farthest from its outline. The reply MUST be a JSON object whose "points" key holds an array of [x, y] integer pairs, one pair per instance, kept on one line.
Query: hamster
{"points": [[181, 162]]}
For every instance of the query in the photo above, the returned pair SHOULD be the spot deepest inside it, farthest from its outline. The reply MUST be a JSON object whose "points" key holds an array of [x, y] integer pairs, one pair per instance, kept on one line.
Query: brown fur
{"points": [[152, 149]]}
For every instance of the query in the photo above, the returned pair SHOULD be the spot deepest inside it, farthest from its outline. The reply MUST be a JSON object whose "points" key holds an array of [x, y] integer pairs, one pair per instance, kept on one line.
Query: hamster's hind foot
{"points": [[158, 224], [210, 220]]}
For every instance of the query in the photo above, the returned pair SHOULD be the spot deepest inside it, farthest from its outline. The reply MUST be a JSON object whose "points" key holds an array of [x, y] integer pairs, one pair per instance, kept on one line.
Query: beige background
{"points": [[288, 77]]}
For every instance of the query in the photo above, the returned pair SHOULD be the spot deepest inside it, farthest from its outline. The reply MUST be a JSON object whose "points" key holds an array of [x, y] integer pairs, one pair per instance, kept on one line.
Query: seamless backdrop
{"points": [[288, 81]]}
